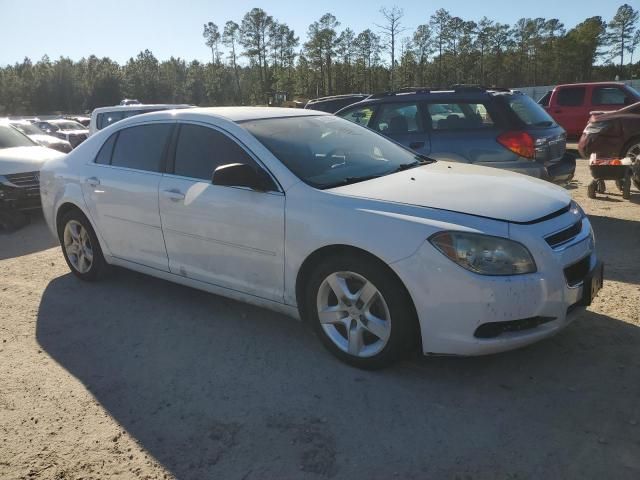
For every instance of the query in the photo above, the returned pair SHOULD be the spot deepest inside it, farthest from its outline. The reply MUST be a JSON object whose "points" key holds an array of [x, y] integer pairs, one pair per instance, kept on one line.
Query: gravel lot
{"points": [[139, 378]]}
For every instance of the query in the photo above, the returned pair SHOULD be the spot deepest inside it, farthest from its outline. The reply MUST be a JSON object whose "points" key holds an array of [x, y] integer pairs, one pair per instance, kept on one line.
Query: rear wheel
{"points": [[602, 187], [360, 311], [626, 187], [80, 246], [591, 189]]}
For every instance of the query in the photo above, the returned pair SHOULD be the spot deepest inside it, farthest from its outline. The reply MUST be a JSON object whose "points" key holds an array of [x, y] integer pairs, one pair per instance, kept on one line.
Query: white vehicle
{"points": [[20, 162], [311, 215], [104, 116], [41, 138], [73, 132]]}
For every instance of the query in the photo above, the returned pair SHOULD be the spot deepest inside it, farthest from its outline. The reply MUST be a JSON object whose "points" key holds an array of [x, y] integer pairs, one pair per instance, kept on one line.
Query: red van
{"points": [[571, 105]]}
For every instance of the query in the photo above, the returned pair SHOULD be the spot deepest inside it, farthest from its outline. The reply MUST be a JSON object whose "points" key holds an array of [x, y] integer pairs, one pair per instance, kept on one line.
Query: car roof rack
{"points": [[401, 91], [471, 87], [335, 97]]}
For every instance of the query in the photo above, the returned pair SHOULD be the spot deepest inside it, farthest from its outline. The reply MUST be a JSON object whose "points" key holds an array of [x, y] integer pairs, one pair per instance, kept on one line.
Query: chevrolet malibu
{"points": [[380, 250]]}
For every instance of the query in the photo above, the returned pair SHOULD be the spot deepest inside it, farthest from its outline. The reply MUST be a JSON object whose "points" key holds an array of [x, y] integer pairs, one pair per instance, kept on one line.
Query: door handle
{"points": [[557, 111], [174, 194], [415, 145], [93, 181]]}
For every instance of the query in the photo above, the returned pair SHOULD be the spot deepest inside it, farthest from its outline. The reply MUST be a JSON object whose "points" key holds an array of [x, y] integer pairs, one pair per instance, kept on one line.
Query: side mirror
{"points": [[241, 175]]}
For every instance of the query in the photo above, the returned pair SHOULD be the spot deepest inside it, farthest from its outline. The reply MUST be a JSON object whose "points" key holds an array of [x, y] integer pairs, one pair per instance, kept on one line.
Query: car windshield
{"points": [[11, 138], [27, 128], [327, 151], [531, 114], [68, 125]]}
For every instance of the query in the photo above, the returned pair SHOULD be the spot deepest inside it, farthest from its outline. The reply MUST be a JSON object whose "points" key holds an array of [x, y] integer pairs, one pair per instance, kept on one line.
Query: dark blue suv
{"points": [[491, 127]]}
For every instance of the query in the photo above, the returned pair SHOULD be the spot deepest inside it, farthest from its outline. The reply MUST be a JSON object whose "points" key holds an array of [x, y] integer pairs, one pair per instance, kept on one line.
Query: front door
{"points": [[228, 236]]}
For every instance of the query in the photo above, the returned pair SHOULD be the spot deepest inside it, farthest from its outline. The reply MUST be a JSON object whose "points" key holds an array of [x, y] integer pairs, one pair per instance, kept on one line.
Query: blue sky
{"points": [[120, 29]]}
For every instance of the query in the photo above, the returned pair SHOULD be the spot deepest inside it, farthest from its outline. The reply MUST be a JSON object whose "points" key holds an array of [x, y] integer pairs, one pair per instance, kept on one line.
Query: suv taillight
{"points": [[519, 143]]}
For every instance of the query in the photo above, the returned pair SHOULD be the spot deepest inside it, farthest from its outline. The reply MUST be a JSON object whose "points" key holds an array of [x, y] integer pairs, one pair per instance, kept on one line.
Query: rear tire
{"points": [[591, 189], [626, 187], [602, 187], [368, 318], [80, 247]]}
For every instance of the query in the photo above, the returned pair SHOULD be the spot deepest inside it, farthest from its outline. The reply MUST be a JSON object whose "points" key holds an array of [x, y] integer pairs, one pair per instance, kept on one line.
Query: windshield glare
{"points": [[68, 125], [28, 129], [12, 138], [327, 151]]}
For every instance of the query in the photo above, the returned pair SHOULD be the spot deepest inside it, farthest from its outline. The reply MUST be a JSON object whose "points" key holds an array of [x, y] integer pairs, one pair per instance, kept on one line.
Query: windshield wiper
{"points": [[417, 163], [350, 180]]}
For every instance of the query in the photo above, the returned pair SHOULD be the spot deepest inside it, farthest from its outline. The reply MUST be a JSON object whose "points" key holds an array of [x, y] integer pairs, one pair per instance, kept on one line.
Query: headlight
{"points": [[484, 254]]}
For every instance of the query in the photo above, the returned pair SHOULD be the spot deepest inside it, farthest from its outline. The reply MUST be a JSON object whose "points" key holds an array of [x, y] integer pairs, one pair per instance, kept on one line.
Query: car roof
{"points": [[232, 114], [141, 106], [587, 84]]}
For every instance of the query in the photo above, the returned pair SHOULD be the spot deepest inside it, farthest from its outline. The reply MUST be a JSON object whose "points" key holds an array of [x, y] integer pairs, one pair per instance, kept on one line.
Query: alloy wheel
{"points": [[77, 245], [353, 314]]}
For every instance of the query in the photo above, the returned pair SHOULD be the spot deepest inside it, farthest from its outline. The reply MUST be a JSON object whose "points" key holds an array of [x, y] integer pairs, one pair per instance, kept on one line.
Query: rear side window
{"points": [[608, 96], [360, 115], [456, 116], [398, 119], [544, 101], [104, 155], [200, 150], [141, 147], [528, 111], [571, 96], [107, 118]]}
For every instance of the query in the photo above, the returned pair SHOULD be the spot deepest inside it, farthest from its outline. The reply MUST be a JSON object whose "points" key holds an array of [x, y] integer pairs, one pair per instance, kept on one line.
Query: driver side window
{"points": [[200, 150]]}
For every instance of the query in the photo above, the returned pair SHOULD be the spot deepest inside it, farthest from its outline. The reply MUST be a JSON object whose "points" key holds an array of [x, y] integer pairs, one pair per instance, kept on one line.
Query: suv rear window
{"points": [[528, 111], [455, 116], [571, 96]]}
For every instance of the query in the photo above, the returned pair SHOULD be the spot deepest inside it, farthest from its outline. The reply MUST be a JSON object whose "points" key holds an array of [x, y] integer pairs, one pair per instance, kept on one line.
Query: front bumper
{"points": [[453, 303]]}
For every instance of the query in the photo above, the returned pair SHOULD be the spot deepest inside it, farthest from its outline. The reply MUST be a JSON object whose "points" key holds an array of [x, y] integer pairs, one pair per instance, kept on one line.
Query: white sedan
{"points": [[380, 250]]}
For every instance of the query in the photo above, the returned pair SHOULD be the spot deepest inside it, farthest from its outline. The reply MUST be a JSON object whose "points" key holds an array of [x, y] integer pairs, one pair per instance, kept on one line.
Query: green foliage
{"points": [[260, 55]]}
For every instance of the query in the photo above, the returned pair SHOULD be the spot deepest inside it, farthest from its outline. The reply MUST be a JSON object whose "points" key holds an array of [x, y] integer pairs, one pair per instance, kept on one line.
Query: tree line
{"points": [[259, 55]]}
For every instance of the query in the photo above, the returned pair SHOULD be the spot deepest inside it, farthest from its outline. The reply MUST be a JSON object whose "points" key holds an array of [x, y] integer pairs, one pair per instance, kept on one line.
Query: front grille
{"points": [[28, 182], [495, 329], [576, 273], [564, 236]]}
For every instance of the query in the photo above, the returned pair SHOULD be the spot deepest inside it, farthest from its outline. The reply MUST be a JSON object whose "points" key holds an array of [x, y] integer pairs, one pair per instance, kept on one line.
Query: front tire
{"points": [[361, 311], [80, 247]]}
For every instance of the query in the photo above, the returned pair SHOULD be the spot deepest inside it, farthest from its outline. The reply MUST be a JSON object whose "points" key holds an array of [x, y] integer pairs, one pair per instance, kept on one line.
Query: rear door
{"points": [[463, 131], [121, 191], [404, 123], [570, 109]]}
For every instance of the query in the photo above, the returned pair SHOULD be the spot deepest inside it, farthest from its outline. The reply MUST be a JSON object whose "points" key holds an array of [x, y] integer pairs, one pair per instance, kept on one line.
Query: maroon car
{"points": [[613, 134]]}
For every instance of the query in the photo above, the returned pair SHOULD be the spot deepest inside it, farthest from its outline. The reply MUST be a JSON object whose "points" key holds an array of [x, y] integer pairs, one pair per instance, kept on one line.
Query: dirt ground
{"points": [[139, 378]]}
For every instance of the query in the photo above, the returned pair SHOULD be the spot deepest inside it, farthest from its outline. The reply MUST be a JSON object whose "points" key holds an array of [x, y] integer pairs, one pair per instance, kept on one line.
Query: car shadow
{"points": [[213, 388], [618, 245], [33, 237]]}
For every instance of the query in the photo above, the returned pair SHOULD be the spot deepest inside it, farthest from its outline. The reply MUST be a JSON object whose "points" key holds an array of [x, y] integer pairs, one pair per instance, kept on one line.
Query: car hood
{"points": [[474, 190], [25, 159]]}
